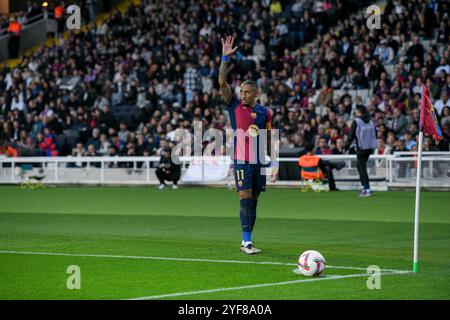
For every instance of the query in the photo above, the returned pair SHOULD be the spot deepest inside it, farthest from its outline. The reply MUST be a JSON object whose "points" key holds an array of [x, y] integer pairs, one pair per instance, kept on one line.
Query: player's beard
{"points": [[247, 105]]}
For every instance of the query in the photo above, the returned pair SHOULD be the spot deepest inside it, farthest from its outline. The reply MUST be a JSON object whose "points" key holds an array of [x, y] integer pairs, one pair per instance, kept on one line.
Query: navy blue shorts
{"points": [[249, 176]]}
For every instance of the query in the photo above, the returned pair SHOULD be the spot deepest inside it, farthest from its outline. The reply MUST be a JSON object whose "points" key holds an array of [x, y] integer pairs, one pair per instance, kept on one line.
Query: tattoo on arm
{"points": [[225, 89]]}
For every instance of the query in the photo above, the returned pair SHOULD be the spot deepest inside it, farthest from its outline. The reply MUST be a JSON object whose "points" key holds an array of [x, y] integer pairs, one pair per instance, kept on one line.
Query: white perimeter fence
{"points": [[387, 171]]}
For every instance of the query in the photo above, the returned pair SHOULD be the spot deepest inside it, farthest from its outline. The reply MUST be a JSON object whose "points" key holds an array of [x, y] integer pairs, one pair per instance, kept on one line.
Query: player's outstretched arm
{"points": [[227, 50]]}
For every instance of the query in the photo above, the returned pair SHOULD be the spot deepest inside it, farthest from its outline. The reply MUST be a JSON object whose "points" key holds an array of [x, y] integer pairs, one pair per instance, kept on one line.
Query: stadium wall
{"points": [[34, 34], [385, 171]]}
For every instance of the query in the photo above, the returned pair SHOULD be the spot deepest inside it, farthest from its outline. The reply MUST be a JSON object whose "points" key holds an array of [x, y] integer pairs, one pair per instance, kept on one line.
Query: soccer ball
{"points": [[311, 263]]}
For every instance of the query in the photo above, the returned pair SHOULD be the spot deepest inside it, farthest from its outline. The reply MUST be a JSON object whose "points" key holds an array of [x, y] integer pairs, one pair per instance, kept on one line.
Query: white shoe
{"points": [[174, 187], [249, 249], [161, 186], [365, 193]]}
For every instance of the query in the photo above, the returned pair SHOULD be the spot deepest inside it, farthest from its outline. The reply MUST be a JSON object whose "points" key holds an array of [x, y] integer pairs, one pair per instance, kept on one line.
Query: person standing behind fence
{"points": [[59, 16], [15, 31], [363, 131]]}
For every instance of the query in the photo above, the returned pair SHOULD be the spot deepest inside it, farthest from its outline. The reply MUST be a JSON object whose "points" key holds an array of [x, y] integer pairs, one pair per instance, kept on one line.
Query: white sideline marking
{"points": [[180, 259], [322, 278]]}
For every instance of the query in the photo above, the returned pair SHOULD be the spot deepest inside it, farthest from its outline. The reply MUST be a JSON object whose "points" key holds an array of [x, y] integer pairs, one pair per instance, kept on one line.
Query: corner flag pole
{"points": [[417, 208], [428, 122], [418, 177]]}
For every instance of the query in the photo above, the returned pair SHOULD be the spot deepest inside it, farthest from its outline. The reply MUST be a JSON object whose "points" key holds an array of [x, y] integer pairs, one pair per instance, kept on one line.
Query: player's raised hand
{"points": [[227, 46]]}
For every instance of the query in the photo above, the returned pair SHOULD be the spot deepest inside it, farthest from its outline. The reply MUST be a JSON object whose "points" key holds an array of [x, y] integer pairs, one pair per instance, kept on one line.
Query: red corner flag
{"points": [[428, 119]]}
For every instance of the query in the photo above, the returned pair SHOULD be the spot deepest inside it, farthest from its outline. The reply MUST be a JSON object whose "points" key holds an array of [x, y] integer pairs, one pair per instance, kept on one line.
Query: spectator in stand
{"points": [[58, 13], [15, 32], [323, 146], [410, 143], [33, 9], [443, 102], [445, 119], [340, 147], [384, 52], [399, 123], [7, 150], [94, 140], [382, 148], [192, 81], [92, 152]]}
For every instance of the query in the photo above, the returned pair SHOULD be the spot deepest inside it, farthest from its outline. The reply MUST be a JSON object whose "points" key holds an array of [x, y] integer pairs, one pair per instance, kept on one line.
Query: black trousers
{"points": [[362, 156], [14, 46], [164, 176], [60, 25], [327, 168]]}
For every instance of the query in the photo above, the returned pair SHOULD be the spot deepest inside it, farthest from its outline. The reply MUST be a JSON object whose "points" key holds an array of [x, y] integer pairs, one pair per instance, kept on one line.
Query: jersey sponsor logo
{"points": [[253, 130], [253, 115]]}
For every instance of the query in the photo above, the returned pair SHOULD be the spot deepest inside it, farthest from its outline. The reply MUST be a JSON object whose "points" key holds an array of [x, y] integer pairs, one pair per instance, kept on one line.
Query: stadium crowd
{"points": [[33, 10], [162, 58]]}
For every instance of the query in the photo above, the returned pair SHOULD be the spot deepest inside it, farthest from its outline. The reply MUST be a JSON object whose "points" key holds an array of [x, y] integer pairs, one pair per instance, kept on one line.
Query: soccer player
{"points": [[247, 118]]}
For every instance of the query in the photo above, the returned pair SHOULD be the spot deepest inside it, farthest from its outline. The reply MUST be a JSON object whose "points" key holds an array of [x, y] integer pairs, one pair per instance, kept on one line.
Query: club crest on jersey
{"points": [[253, 115], [253, 130]]}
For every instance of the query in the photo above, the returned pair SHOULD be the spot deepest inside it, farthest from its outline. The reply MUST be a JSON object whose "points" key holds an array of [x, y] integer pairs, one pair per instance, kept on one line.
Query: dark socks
{"points": [[246, 218], [253, 212]]}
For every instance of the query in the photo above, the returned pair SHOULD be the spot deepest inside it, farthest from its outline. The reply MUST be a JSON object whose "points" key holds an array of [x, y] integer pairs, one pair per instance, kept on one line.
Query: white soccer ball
{"points": [[311, 263]]}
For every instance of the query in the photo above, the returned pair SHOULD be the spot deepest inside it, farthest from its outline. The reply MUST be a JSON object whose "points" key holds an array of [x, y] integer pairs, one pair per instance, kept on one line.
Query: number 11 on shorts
{"points": [[240, 174]]}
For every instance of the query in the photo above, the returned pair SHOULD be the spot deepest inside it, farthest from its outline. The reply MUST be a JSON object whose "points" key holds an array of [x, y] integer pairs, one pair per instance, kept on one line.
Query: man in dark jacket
{"points": [[168, 170], [363, 131]]}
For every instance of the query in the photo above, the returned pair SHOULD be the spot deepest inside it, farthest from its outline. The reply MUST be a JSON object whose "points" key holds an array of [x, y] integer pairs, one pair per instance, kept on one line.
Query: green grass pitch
{"points": [[120, 237]]}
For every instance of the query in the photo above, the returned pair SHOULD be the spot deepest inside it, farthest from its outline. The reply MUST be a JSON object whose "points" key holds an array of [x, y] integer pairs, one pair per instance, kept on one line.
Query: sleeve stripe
{"points": [[269, 119]]}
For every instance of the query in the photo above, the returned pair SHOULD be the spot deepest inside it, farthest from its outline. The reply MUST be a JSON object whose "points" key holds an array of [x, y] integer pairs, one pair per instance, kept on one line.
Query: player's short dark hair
{"points": [[250, 83]]}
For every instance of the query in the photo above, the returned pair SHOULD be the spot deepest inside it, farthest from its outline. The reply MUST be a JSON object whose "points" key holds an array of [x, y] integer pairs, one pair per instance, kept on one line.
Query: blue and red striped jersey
{"points": [[247, 123]]}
